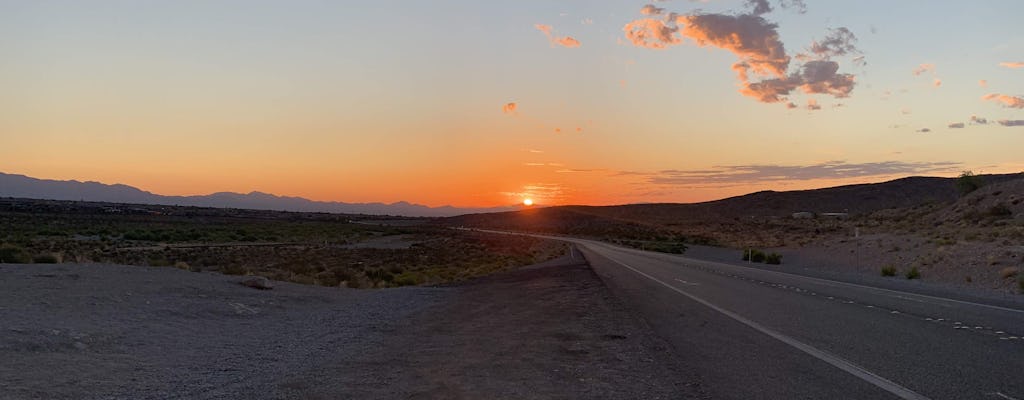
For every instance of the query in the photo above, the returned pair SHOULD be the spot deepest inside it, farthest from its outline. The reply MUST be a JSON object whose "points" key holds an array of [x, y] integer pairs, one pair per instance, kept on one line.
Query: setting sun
{"points": [[527, 202]]}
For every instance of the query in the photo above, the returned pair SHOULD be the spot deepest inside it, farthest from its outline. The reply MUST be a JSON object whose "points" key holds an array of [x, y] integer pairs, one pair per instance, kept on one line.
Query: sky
{"points": [[480, 103]]}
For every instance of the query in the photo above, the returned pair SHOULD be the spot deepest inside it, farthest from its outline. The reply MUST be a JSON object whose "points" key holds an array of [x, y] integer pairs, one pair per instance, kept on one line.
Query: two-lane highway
{"points": [[753, 333]]}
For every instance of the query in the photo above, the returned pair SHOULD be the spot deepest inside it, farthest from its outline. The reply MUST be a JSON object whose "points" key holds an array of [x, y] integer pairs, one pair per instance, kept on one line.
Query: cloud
{"points": [[509, 108], [1007, 100], [982, 83], [976, 120], [937, 82], [564, 41], [906, 111], [1011, 122], [956, 125], [923, 68], [838, 42], [773, 172], [763, 66], [813, 105], [651, 33], [650, 9], [758, 7], [923, 130], [1014, 65]]}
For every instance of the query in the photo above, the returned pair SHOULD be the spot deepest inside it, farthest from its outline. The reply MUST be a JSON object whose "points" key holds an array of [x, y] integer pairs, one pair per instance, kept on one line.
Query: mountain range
{"points": [[21, 186]]}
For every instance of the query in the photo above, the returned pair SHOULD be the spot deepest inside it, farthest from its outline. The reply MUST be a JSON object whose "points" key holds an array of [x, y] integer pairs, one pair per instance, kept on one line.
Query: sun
{"points": [[527, 202]]}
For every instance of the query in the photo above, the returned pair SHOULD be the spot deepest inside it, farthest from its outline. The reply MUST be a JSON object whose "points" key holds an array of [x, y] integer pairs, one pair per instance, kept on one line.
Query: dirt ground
{"points": [[71, 331]]}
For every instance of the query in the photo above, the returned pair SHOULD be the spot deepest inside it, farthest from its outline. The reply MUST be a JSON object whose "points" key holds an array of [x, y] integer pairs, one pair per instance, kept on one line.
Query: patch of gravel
{"points": [[116, 332]]}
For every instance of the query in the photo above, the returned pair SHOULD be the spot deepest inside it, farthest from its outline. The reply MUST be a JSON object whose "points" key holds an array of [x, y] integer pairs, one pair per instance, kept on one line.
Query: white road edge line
{"points": [[834, 360]]}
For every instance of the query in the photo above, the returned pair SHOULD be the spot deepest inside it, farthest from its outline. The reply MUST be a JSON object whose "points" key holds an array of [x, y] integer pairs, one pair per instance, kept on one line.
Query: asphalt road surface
{"points": [[754, 333]]}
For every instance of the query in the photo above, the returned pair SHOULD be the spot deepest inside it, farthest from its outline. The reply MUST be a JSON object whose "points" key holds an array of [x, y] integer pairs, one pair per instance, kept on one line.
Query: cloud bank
{"points": [[740, 174]]}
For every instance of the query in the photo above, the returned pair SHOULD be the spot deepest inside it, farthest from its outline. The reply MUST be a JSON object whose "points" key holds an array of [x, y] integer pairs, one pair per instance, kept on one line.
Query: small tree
{"points": [[967, 182]]}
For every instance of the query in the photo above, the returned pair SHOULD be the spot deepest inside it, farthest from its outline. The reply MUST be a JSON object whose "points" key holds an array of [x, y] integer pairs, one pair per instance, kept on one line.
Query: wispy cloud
{"points": [[813, 105], [976, 120], [921, 69], [956, 125], [509, 108], [923, 130], [734, 174], [1013, 64], [1011, 122], [1006, 100], [982, 83], [564, 41]]}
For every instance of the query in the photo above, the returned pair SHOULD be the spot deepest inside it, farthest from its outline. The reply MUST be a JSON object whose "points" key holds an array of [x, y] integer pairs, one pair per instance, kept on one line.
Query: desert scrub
{"points": [[888, 270], [773, 258], [913, 273], [14, 254], [753, 255], [1008, 272], [46, 258]]}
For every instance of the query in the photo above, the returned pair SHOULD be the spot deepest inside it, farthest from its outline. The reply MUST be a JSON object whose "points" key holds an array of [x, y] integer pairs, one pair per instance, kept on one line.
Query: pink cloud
{"points": [[509, 108], [1014, 65], [564, 41], [813, 105], [1007, 100], [937, 82], [650, 9], [982, 83]]}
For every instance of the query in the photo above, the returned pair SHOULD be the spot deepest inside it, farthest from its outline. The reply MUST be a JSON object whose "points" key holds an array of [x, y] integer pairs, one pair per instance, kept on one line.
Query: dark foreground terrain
{"points": [[113, 332]]}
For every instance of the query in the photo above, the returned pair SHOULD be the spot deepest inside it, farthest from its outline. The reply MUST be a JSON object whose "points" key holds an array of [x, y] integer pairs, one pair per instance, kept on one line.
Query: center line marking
{"points": [[832, 359]]}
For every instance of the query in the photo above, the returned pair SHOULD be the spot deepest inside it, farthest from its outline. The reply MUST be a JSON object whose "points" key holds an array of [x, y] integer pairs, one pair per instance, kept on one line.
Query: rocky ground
{"points": [[72, 331]]}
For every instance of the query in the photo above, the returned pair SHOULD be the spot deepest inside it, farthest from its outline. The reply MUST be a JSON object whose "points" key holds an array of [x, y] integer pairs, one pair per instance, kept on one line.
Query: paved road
{"points": [[762, 334]]}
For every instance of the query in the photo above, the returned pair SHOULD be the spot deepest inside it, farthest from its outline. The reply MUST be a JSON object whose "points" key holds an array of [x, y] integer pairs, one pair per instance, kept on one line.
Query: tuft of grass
{"points": [[773, 258], [46, 258], [888, 270], [913, 273], [1008, 272]]}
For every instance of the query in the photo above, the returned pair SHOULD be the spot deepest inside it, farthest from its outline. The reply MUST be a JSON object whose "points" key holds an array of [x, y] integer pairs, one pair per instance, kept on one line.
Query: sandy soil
{"points": [[116, 332]]}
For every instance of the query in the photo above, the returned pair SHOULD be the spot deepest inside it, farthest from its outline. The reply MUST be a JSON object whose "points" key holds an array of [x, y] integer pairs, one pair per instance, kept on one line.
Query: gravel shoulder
{"points": [[90, 331]]}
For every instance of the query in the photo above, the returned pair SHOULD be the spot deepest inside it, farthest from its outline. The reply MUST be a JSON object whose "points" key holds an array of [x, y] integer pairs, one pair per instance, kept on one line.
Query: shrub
{"points": [[14, 254], [1020, 283], [773, 258], [1000, 210], [888, 270], [967, 182], [753, 255], [46, 258], [913, 273], [1008, 272]]}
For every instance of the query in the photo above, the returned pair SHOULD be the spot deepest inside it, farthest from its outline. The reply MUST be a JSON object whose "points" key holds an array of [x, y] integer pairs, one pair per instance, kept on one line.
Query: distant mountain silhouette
{"points": [[21, 186]]}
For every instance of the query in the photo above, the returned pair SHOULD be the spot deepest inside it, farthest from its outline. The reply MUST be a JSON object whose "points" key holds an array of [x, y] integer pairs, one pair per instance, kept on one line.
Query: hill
{"points": [[20, 186], [764, 218]]}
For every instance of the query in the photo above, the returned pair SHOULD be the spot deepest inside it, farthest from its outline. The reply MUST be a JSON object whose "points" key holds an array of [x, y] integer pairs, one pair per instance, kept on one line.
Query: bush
{"points": [[14, 254], [967, 182], [754, 255], [1000, 210], [773, 258], [46, 258], [888, 270], [913, 273]]}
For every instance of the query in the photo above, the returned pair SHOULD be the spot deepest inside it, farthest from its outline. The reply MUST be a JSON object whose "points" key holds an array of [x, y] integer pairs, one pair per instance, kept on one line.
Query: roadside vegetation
{"points": [[308, 248], [758, 256]]}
